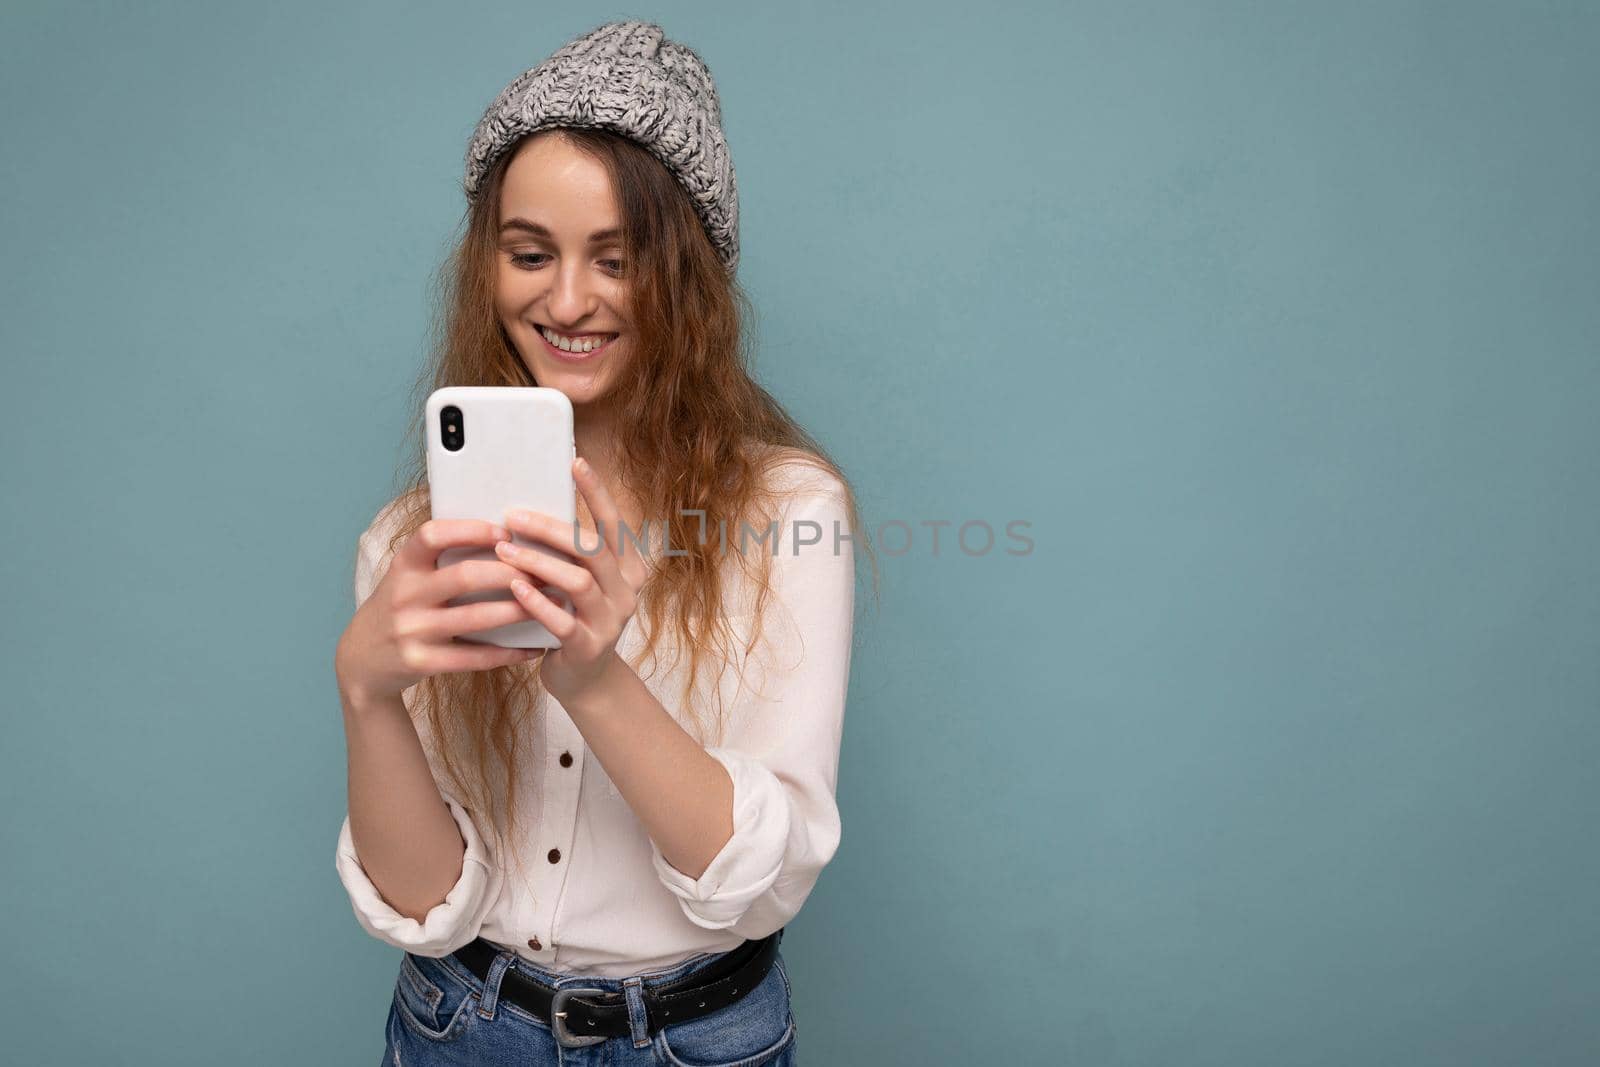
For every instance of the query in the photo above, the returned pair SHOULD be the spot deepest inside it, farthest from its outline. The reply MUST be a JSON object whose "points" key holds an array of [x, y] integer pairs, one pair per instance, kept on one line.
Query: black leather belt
{"points": [[584, 1016]]}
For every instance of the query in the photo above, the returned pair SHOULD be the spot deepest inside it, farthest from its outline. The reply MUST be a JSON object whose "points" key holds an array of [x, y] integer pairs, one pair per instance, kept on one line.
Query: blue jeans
{"points": [[444, 1014]]}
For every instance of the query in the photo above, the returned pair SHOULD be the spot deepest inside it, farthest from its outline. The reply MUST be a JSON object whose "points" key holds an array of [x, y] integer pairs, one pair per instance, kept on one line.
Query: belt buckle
{"points": [[558, 1019]]}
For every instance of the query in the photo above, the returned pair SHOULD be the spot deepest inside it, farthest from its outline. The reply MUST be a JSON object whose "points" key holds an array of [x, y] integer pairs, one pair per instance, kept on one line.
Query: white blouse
{"points": [[594, 895]]}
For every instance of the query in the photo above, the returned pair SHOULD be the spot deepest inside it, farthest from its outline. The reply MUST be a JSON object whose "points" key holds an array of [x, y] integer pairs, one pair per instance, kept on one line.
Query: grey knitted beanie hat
{"points": [[629, 78]]}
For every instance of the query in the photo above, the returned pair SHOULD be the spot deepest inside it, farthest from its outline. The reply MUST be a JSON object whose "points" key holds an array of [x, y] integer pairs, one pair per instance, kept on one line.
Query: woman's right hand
{"points": [[404, 631]]}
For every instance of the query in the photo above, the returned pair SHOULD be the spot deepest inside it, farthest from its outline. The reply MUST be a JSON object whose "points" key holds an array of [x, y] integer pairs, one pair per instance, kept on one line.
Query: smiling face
{"points": [[560, 270]]}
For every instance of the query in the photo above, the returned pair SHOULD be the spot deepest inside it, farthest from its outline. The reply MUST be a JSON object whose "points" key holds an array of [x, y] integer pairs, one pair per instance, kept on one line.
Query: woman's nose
{"points": [[571, 298]]}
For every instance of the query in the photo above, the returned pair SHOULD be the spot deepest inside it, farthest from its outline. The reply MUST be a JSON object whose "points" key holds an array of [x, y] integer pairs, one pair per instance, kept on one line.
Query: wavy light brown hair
{"points": [[694, 431]]}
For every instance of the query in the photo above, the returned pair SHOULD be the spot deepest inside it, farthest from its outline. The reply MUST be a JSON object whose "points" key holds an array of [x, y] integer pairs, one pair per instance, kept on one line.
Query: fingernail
{"points": [[519, 515]]}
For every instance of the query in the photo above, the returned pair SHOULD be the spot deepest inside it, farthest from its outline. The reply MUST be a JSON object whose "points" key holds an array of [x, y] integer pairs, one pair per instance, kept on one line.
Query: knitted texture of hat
{"points": [[626, 77]]}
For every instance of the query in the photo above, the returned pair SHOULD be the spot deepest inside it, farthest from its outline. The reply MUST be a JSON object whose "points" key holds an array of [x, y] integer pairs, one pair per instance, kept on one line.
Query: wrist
{"points": [[356, 691], [361, 702], [601, 691]]}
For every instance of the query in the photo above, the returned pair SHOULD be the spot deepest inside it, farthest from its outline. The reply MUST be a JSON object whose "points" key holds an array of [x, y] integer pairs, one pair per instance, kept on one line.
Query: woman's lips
{"points": [[571, 357]]}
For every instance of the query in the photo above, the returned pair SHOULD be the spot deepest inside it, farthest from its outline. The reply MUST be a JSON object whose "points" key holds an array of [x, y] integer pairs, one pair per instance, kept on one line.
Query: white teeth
{"points": [[568, 345]]}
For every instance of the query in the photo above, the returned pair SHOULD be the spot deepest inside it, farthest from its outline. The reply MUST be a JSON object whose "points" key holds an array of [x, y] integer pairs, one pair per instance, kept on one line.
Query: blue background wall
{"points": [[1277, 322]]}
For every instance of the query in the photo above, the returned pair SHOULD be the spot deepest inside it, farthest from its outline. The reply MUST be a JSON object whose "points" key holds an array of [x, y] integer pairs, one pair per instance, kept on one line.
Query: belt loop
{"points": [[491, 984], [638, 1018]]}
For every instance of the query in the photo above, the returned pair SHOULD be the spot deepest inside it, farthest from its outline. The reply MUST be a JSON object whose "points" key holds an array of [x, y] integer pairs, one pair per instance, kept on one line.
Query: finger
{"points": [[546, 529], [445, 623], [467, 656], [547, 611], [577, 582], [422, 548], [535, 560], [596, 563], [624, 553], [601, 505], [467, 576]]}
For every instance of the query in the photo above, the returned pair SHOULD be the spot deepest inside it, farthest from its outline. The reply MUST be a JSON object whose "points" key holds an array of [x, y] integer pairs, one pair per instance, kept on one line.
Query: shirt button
{"points": [[566, 759], [533, 943], [555, 855]]}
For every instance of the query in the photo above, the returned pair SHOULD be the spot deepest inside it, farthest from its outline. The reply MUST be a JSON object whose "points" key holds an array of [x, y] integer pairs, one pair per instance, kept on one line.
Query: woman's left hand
{"points": [[603, 586]]}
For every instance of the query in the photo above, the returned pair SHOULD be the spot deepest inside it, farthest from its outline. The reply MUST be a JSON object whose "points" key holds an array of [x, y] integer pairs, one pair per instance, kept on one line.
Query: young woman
{"points": [[589, 854]]}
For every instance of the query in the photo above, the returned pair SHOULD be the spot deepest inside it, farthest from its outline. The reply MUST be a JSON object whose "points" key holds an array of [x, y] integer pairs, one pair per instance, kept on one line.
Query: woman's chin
{"points": [[580, 385]]}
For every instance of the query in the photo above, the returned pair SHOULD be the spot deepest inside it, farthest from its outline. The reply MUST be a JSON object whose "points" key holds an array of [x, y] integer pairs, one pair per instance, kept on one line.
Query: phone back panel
{"points": [[516, 452]]}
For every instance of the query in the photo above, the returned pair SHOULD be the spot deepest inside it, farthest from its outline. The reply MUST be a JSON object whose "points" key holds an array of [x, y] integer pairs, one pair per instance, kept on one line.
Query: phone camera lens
{"points": [[451, 435]]}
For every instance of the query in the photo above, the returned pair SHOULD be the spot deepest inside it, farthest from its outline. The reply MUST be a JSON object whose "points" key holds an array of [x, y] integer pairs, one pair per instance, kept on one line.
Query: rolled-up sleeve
{"points": [[781, 749], [458, 918], [451, 923]]}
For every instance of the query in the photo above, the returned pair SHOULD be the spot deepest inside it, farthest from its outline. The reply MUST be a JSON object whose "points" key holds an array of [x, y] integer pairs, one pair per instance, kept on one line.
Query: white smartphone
{"points": [[491, 449]]}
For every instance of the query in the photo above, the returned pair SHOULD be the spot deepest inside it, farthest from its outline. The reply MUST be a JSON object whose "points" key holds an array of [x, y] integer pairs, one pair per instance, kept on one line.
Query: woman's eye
{"points": [[531, 260]]}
